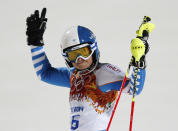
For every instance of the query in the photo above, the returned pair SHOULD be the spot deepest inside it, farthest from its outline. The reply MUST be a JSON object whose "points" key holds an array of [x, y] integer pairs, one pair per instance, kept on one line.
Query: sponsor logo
{"points": [[113, 68], [77, 109]]}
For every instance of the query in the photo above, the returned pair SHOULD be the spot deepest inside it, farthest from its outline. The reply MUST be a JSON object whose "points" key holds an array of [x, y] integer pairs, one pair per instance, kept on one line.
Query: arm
{"points": [[140, 81], [112, 78], [47, 73], [114, 81], [139, 49], [36, 26]]}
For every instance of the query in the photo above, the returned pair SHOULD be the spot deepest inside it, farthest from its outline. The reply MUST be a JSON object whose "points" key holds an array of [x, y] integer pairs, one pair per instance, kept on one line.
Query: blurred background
{"points": [[27, 104]]}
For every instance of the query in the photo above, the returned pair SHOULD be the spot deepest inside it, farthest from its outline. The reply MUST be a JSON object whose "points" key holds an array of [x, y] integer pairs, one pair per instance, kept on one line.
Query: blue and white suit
{"points": [[92, 96]]}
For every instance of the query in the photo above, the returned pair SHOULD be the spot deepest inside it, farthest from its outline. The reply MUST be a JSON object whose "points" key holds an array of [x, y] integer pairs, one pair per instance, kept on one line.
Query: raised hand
{"points": [[36, 26], [139, 45], [145, 28]]}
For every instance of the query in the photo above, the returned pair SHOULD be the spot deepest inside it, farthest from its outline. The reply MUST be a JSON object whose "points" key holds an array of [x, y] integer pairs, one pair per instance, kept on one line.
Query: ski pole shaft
{"points": [[138, 50], [133, 99], [117, 101], [131, 116]]}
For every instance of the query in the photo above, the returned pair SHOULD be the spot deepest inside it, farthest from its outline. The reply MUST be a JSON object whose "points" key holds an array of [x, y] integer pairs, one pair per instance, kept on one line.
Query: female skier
{"points": [[94, 86]]}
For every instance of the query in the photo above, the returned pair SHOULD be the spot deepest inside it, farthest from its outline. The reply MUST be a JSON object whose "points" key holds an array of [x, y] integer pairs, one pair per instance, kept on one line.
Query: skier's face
{"points": [[83, 64]]}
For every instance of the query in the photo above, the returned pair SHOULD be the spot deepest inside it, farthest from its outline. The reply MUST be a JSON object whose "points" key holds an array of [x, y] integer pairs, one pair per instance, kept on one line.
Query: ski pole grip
{"points": [[146, 25], [146, 19], [137, 49]]}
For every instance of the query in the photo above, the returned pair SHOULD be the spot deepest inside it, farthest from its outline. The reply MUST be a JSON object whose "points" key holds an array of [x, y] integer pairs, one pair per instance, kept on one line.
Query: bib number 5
{"points": [[75, 122]]}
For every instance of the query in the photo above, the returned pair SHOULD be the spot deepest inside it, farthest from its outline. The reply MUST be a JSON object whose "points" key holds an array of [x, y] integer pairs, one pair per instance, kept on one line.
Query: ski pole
{"points": [[138, 50], [117, 101], [133, 98]]}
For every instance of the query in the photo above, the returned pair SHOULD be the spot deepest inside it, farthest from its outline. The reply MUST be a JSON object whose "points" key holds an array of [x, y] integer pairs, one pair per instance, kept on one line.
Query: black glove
{"points": [[35, 28], [141, 64]]}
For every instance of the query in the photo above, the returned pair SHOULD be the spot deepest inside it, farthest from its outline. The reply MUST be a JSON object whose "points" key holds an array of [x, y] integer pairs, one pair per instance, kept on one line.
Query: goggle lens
{"points": [[83, 52]]}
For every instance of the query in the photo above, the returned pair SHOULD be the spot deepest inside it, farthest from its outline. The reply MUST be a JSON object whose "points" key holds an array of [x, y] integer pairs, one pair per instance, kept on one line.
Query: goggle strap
{"points": [[93, 45], [64, 54], [94, 48], [79, 46]]}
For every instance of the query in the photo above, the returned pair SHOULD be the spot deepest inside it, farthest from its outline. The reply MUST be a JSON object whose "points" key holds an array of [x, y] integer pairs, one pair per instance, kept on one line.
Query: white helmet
{"points": [[77, 36]]}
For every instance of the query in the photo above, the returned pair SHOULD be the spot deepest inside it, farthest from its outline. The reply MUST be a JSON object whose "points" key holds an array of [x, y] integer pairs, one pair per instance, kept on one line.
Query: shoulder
{"points": [[65, 70], [107, 73], [109, 68]]}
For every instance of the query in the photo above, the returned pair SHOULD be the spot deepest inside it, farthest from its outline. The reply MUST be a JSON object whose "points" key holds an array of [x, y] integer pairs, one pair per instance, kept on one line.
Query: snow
{"points": [[28, 104]]}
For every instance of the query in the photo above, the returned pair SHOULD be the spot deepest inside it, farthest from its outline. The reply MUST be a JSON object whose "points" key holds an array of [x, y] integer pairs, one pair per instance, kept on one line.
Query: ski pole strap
{"points": [[135, 81]]}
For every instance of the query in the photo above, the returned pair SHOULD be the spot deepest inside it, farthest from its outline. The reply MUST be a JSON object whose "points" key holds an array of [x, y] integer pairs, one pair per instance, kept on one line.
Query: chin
{"points": [[82, 66]]}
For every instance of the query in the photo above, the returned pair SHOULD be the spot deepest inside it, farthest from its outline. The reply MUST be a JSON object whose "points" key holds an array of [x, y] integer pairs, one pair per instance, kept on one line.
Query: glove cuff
{"points": [[36, 40], [36, 43], [141, 64]]}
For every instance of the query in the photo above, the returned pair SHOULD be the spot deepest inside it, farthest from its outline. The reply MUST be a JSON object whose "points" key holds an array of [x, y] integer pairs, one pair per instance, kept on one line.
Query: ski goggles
{"points": [[83, 51]]}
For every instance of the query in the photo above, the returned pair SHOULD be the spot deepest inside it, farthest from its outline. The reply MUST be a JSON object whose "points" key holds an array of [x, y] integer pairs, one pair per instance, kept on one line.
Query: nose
{"points": [[79, 60]]}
